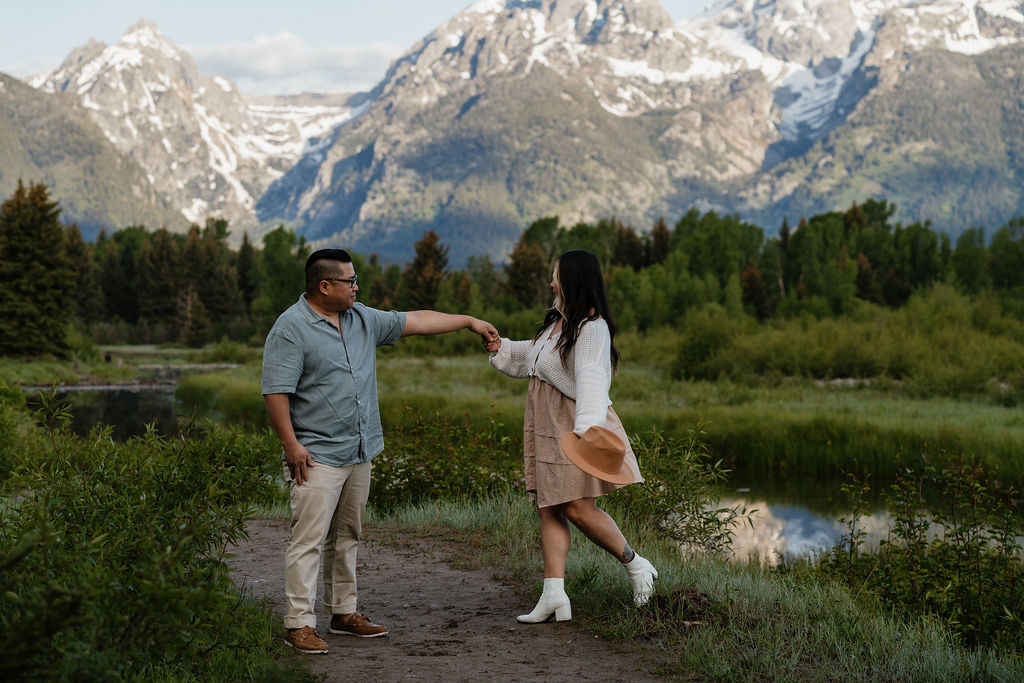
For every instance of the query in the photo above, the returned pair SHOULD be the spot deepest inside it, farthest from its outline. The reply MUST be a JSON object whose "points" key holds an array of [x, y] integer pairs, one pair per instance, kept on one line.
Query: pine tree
{"points": [[35, 281], [245, 264], [86, 296], [463, 290], [423, 276], [194, 327], [194, 258], [281, 265], [661, 242], [160, 277], [527, 275], [485, 277], [119, 273], [218, 286], [629, 248], [755, 291]]}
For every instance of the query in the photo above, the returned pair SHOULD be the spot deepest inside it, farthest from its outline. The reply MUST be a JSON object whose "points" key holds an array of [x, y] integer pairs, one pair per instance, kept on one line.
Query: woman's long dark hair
{"points": [[583, 299]]}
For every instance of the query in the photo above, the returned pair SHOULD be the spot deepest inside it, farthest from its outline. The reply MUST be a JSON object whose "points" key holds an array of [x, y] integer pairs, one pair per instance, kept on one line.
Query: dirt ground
{"points": [[445, 624]]}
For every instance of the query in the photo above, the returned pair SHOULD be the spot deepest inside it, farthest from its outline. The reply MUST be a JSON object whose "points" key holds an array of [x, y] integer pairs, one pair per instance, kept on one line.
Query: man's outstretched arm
{"points": [[433, 322]]}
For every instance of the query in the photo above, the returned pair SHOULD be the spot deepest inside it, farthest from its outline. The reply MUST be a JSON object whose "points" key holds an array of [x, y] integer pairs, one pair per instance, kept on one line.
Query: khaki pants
{"points": [[327, 522]]}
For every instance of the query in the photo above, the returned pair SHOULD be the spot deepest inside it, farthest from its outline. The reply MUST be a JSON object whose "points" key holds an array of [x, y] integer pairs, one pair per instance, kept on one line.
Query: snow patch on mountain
{"points": [[808, 96], [750, 34], [954, 25]]}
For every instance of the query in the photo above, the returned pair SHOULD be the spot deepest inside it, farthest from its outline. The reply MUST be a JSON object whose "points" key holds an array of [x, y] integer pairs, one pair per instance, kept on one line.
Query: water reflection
{"points": [[790, 531], [127, 409]]}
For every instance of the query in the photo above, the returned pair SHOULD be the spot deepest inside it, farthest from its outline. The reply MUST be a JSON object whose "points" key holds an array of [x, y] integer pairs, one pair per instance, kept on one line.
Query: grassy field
{"points": [[796, 427]]}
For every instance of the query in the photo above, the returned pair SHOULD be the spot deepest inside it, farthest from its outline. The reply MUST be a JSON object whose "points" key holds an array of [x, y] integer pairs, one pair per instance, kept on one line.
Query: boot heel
{"points": [[563, 613]]}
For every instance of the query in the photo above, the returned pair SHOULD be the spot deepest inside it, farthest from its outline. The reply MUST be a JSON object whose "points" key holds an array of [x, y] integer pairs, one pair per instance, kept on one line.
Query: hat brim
{"points": [[570, 446]]}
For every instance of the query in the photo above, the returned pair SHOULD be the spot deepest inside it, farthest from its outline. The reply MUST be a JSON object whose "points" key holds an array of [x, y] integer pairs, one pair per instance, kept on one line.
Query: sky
{"points": [[264, 46]]}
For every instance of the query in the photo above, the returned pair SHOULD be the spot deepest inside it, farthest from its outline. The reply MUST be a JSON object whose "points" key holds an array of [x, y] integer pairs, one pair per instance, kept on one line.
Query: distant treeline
{"points": [[154, 287]]}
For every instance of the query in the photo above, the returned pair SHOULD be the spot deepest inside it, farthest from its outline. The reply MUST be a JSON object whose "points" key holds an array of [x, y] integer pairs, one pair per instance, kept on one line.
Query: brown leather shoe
{"points": [[306, 641], [356, 624]]}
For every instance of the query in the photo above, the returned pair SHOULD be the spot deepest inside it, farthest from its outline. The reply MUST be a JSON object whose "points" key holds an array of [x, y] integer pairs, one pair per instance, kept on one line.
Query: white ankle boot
{"points": [[552, 601], [641, 576]]}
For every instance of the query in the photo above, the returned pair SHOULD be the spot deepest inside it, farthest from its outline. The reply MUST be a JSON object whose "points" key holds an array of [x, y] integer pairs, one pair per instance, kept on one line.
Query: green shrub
{"points": [[114, 555], [227, 351], [953, 551], [708, 332], [80, 344], [444, 457]]}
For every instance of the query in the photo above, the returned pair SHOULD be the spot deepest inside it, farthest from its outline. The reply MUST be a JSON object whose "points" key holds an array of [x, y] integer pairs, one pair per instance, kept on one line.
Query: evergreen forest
{"points": [[839, 294]]}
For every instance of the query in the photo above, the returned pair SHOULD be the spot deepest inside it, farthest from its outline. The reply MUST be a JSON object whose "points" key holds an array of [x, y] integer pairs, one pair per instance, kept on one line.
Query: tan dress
{"points": [[551, 478]]}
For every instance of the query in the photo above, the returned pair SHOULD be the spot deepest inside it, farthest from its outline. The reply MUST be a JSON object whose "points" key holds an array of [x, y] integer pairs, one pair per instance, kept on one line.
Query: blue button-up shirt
{"points": [[331, 378]]}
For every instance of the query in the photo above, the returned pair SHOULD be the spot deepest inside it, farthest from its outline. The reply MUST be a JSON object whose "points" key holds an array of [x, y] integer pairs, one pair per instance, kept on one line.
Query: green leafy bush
{"points": [[227, 351], [114, 555], [443, 457], [954, 550]]}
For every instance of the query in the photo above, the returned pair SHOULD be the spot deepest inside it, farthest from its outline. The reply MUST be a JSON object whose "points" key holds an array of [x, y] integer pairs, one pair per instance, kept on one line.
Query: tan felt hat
{"points": [[600, 453]]}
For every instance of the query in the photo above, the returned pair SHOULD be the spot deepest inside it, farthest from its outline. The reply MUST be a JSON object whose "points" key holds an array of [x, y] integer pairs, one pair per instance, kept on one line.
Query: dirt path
{"points": [[445, 624]]}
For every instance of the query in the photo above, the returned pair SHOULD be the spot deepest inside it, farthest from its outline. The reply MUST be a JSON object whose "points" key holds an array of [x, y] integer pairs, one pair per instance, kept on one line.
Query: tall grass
{"points": [[710, 618], [954, 549], [231, 396]]}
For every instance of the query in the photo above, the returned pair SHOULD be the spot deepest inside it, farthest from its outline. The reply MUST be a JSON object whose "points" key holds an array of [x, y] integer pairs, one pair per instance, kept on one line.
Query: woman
{"points": [[570, 364]]}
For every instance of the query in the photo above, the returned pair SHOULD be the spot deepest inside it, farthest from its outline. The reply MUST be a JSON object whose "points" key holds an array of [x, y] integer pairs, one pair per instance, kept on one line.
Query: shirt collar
{"points": [[312, 317]]}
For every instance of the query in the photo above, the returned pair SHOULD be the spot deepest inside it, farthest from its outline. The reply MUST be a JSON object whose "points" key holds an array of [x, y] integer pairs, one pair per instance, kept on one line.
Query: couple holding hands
{"points": [[320, 389]]}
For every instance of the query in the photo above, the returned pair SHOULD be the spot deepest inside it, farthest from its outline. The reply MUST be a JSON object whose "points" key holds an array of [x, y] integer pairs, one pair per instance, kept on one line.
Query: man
{"points": [[320, 388]]}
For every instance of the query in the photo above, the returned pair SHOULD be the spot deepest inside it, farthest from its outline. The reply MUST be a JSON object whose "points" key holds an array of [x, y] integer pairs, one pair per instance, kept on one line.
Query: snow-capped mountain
{"points": [[208, 148], [813, 51], [516, 109]]}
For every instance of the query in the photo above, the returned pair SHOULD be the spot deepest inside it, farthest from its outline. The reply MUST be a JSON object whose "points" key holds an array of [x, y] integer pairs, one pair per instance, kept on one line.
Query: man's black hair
{"points": [[328, 254]]}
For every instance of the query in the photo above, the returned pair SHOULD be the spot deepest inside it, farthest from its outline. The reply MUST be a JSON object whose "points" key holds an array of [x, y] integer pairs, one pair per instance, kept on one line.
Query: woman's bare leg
{"points": [[599, 527], [554, 540]]}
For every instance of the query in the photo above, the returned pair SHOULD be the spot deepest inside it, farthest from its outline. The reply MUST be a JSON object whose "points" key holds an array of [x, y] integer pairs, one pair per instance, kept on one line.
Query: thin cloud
{"points": [[283, 64]]}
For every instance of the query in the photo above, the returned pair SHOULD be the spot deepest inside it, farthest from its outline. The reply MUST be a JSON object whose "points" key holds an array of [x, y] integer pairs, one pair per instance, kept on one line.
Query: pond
{"points": [[127, 409], [794, 517]]}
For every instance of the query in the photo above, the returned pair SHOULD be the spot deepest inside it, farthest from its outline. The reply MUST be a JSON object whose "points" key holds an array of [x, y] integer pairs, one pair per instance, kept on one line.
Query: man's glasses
{"points": [[350, 280]]}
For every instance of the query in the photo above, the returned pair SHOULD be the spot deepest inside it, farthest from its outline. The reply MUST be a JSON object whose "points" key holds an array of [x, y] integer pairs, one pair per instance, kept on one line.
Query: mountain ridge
{"points": [[587, 109], [50, 140]]}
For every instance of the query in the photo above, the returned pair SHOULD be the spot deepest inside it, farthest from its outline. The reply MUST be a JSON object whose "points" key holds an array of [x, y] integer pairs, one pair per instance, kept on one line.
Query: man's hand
{"points": [[487, 333], [298, 460]]}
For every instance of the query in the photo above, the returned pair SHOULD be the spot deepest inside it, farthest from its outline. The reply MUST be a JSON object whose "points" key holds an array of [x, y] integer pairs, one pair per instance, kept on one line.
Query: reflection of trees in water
{"points": [[127, 411]]}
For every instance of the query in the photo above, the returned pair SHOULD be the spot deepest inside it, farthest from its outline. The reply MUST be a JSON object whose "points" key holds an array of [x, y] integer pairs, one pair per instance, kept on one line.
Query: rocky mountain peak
{"points": [[144, 34], [616, 45], [203, 144]]}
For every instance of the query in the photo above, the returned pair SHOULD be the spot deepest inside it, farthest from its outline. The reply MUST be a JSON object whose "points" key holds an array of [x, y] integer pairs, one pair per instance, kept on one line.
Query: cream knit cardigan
{"points": [[585, 379]]}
